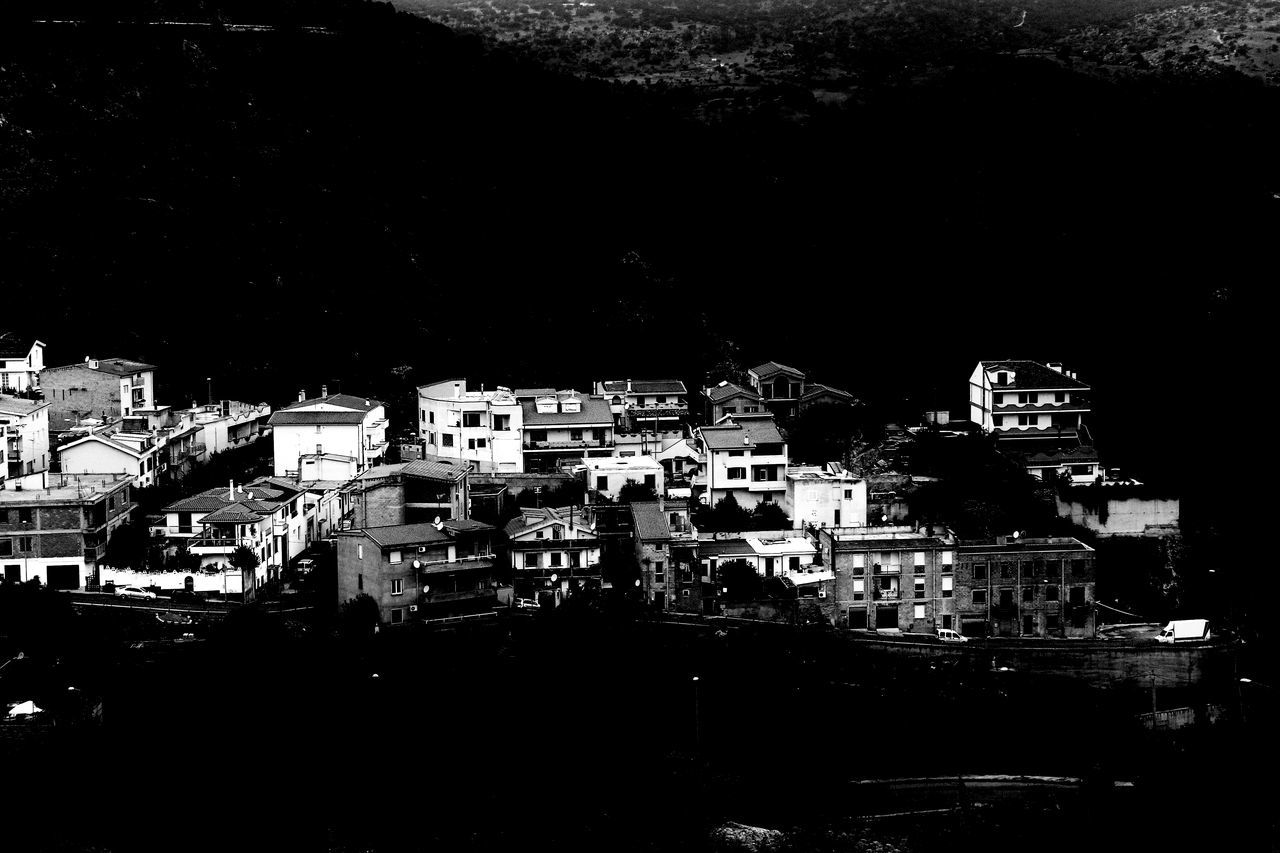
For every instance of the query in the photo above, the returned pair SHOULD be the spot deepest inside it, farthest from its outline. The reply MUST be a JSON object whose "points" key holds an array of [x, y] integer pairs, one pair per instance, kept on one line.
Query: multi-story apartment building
{"points": [[330, 437], [825, 496], [228, 424], [1036, 410], [478, 427], [561, 428], [20, 364], [746, 459], [1026, 587], [55, 527], [553, 551], [106, 389], [415, 492], [606, 476], [780, 386], [24, 436], [666, 545], [891, 578], [656, 405], [418, 572], [729, 399], [135, 455]]}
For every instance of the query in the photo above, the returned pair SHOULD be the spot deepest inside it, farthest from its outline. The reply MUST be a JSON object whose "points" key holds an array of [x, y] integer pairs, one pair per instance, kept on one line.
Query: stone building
{"points": [[891, 578], [106, 388], [1026, 588]]}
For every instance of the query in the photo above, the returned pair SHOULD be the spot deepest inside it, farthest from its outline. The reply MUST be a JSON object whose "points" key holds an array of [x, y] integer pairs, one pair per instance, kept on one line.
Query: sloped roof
{"points": [[18, 405], [771, 367], [649, 520], [595, 412], [1032, 375], [405, 534], [723, 392], [102, 439], [345, 401], [644, 386], [465, 525], [240, 512], [816, 389], [729, 436], [435, 468], [13, 346], [285, 417], [118, 366], [531, 517]]}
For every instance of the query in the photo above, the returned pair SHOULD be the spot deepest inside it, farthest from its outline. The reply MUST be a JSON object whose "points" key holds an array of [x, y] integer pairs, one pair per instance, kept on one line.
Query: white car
{"points": [[527, 604], [133, 592], [947, 635]]}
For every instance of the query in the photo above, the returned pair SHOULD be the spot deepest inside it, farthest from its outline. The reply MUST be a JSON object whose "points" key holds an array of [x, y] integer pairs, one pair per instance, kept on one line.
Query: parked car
{"points": [[134, 592], [305, 565], [947, 635], [174, 618], [527, 604]]}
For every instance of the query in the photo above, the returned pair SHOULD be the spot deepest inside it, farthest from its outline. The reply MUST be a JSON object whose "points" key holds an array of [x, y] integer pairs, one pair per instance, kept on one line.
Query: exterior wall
{"points": [[21, 375], [76, 391], [615, 479], [913, 607], [980, 398], [746, 491], [816, 501], [60, 533], [1027, 581], [24, 443], [365, 567], [293, 441], [1125, 516], [655, 571], [735, 405], [228, 582], [441, 414], [96, 457], [559, 445]]}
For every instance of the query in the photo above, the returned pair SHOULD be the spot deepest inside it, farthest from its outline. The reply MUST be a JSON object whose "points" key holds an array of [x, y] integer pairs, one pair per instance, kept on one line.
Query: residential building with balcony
{"points": [[780, 386], [135, 455], [419, 572], [1026, 588], [825, 496], [481, 428], [654, 404], [54, 527], [415, 492], [606, 476], [554, 552], [1038, 412], [24, 436], [745, 458], [891, 578], [561, 428], [106, 389], [21, 360], [666, 545], [330, 437], [729, 399], [227, 425]]}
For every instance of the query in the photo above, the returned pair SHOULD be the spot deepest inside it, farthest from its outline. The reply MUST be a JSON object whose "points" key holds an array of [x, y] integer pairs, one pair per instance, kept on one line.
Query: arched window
{"points": [[189, 584]]}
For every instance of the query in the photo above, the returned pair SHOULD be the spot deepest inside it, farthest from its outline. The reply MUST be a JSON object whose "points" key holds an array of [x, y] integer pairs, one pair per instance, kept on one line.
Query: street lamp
{"points": [[697, 723]]}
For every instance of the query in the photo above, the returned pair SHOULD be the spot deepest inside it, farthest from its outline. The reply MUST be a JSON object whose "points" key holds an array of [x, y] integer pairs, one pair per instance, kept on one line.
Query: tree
{"points": [[128, 546], [769, 516], [726, 515], [244, 559], [358, 617], [620, 568], [633, 492], [740, 579]]}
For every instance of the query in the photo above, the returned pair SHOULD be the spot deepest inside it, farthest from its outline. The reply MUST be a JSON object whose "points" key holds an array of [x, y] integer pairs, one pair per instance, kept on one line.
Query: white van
{"points": [[1185, 631], [947, 635]]}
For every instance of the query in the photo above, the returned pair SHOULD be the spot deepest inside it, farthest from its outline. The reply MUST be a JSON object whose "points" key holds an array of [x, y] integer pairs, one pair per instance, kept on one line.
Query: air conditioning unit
{"points": [[413, 608], [822, 593], [422, 549]]}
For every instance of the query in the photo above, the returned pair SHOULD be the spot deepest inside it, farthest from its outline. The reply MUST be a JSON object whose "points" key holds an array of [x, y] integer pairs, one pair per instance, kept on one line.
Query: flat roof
{"points": [[87, 488]]}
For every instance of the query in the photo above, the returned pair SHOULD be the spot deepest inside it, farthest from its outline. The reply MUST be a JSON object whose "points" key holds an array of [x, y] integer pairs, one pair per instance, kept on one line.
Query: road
{"points": [[164, 604]]}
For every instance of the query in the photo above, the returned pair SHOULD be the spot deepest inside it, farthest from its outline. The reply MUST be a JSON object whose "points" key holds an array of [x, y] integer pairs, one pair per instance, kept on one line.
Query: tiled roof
{"points": [[771, 367], [405, 534], [531, 517], [345, 401], [650, 522], [645, 386], [118, 366], [12, 346], [724, 392], [595, 412], [816, 389], [1032, 375], [240, 512], [1063, 457], [285, 417], [435, 468], [729, 436], [725, 547], [534, 392], [19, 406], [465, 525], [203, 502], [102, 439]]}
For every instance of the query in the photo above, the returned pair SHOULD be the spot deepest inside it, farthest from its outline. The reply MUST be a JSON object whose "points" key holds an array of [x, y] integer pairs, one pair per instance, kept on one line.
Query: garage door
{"points": [[64, 577]]}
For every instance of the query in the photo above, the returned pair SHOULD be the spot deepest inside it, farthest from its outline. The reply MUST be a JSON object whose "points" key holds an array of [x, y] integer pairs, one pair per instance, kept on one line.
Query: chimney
{"points": [[324, 390], [231, 490], [1055, 366], [302, 394], [628, 386]]}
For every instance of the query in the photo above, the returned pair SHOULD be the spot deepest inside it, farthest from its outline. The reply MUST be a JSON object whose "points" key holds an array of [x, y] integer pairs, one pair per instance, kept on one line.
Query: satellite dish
{"points": [[637, 581], [554, 577], [417, 564], [437, 521], [426, 589]]}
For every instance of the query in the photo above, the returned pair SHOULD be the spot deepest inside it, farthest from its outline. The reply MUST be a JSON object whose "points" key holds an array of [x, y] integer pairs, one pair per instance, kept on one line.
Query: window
{"points": [[24, 543], [997, 420], [730, 410], [360, 582], [659, 572], [575, 435], [557, 559], [948, 586], [540, 534], [979, 571], [918, 562], [979, 596], [1022, 399], [1053, 568], [471, 420], [1037, 567], [471, 444], [1053, 622], [737, 473], [446, 440], [557, 532], [948, 558], [319, 449], [1006, 597], [998, 398], [859, 589], [360, 551], [1029, 624], [531, 561], [917, 612], [575, 559], [1076, 595], [6, 547], [661, 399], [482, 443], [1028, 593], [920, 586], [859, 561], [602, 484], [394, 557], [1024, 420], [317, 429], [793, 564], [1050, 593], [24, 515], [397, 615], [1006, 570], [397, 586], [736, 452]]}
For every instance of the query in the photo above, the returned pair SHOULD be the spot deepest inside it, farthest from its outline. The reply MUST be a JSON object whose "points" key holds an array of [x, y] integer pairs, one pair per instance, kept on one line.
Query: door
{"points": [[64, 577], [13, 573], [837, 520], [886, 617], [660, 600], [858, 618], [768, 567]]}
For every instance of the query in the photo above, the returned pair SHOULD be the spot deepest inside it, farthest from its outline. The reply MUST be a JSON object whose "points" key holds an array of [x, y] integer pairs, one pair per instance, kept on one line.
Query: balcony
{"points": [[209, 545], [885, 595], [566, 445], [95, 552], [878, 569], [443, 597], [476, 561]]}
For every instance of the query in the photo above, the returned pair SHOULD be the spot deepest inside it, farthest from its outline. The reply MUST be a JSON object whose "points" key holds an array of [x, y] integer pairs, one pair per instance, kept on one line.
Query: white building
{"points": [[20, 364], [826, 496], [746, 459], [653, 404], [24, 436], [136, 455], [563, 427], [781, 554], [330, 437], [228, 424], [480, 427], [608, 475]]}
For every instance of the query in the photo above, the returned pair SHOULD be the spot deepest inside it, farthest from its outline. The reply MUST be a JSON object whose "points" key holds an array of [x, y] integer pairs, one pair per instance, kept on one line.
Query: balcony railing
{"points": [[442, 597], [476, 561], [886, 595], [565, 445]]}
